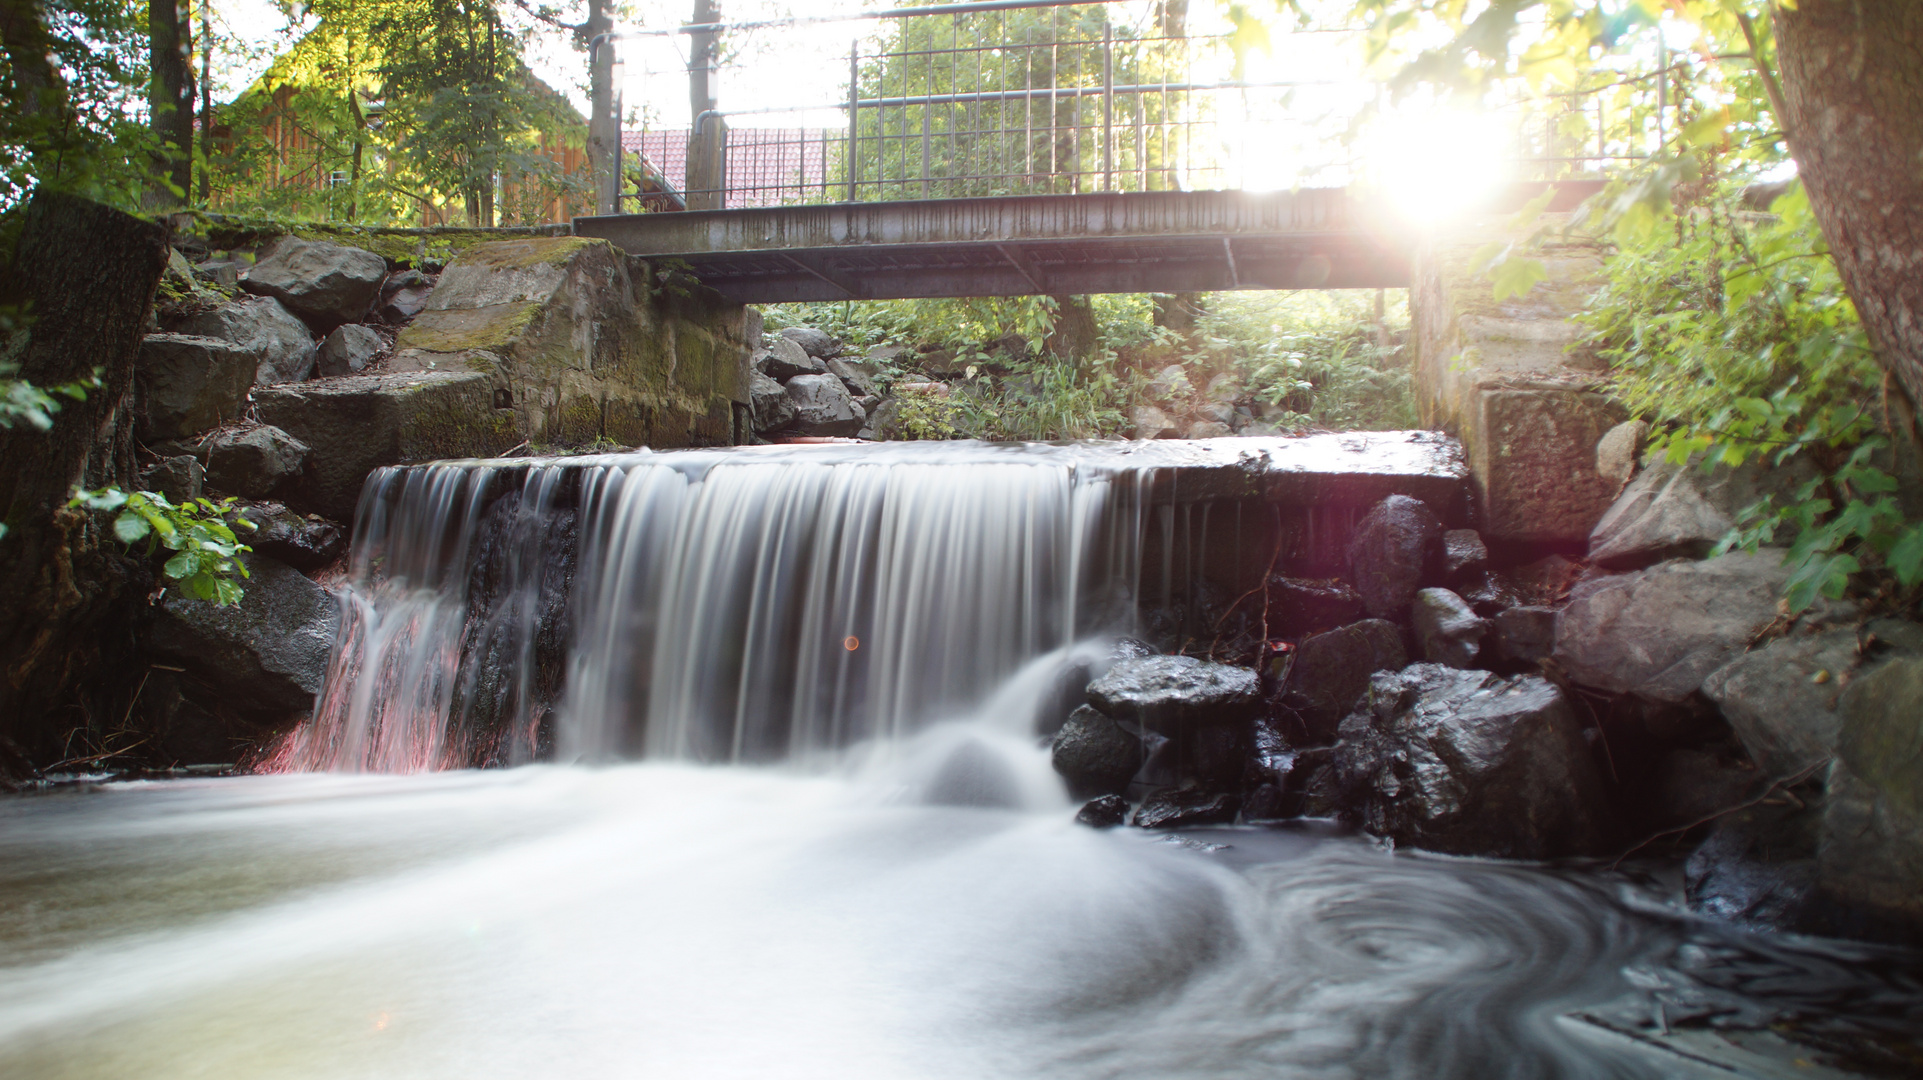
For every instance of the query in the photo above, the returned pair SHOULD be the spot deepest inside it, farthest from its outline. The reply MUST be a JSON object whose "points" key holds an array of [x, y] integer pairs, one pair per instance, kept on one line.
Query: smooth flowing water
{"points": [[842, 852]]}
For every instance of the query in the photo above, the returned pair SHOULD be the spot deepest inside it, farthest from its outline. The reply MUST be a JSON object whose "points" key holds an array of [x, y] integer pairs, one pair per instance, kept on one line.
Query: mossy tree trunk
{"points": [[85, 275], [1853, 88]]}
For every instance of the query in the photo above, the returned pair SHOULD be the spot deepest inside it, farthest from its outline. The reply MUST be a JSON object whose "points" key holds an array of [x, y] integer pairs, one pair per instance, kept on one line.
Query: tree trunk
{"points": [[170, 99], [604, 127], [67, 594], [207, 101], [1853, 83]]}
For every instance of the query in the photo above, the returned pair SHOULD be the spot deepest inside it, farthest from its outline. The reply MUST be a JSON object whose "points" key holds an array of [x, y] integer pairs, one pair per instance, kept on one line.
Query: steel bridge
{"points": [[1012, 147]]}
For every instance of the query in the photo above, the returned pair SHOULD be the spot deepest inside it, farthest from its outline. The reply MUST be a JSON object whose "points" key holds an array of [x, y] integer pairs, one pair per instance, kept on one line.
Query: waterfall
{"points": [[714, 606]]}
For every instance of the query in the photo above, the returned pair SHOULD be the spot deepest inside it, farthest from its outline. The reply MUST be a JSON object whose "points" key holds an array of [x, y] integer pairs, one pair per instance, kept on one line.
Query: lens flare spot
{"points": [[851, 643]]}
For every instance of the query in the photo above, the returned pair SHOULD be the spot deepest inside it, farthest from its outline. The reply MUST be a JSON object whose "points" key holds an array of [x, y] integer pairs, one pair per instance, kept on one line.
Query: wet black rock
{"points": [[773, 409], [1463, 555], [1396, 550], [404, 295], [349, 349], [1181, 808], [1758, 868], [1096, 755], [823, 407], [266, 655], [1103, 812], [1447, 630], [1299, 606], [1168, 693], [1470, 763], [1331, 672], [1524, 634], [303, 542]]}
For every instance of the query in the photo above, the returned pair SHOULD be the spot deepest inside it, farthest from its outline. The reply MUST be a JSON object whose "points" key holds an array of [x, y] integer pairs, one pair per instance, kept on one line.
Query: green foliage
{"points": [[204, 563], [77, 124], [1731, 333], [1314, 354], [925, 416], [24, 403]]}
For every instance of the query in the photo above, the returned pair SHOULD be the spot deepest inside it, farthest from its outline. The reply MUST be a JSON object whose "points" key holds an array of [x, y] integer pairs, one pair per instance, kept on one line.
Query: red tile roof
{"points": [[766, 166]]}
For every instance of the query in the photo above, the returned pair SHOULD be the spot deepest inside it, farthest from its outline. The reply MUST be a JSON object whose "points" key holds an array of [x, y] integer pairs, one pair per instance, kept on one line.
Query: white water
{"points": [[723, 606], [691, 922]]}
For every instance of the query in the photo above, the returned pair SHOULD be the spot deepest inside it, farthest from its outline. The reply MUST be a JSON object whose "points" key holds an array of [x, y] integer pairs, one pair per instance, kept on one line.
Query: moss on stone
{"points": [[496, 329], [530, 252]]}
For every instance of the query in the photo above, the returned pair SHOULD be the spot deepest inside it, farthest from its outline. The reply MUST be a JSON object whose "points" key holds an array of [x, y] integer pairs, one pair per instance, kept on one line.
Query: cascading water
{"points": [[918, 905], [724, 606]]}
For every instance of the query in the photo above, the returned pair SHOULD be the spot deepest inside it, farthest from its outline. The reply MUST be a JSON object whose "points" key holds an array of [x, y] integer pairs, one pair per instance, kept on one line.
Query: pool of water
{"points": [[861, 920]]}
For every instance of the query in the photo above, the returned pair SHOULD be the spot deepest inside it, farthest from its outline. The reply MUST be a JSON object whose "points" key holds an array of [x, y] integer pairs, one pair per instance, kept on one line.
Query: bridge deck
{"points": [[1176, 241], [1157, 241]]}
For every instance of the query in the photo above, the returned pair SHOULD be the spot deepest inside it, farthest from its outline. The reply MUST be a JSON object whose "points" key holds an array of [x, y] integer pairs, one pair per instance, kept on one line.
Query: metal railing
{"points": [[1056, 97]]}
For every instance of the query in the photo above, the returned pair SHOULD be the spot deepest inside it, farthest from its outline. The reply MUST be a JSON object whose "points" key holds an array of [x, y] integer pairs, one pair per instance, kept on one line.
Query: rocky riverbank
{"points": [[1631, 704]]}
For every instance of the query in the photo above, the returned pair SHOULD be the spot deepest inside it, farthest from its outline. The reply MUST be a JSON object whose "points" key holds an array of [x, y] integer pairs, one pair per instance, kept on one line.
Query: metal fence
{"points": [[1060, 99]]}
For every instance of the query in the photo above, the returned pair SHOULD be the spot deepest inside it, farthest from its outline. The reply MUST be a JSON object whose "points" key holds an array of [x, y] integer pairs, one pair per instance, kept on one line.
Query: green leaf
{"points": [[1905, 558], [130, 528], [1515, 277], [186, 564]]}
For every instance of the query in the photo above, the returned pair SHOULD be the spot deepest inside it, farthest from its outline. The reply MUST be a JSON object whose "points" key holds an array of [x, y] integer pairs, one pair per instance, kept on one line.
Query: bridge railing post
{"points": [[1108, 105], [854, 106]]}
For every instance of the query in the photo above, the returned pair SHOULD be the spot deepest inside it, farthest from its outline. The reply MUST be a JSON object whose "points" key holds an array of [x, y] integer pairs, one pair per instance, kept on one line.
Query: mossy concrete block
{"points": [[586, 348], [356, 424], [1515, 380]]}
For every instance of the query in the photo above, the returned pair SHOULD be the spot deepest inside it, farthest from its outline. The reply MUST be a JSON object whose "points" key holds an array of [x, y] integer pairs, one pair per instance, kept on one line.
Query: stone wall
{"points": [[586, 345], [1509, 379]]}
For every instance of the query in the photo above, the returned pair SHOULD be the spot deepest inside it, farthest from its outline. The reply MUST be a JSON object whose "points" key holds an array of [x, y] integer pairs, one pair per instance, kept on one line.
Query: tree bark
{"points": [[170, 99], [67, 594], [1853, 84]]}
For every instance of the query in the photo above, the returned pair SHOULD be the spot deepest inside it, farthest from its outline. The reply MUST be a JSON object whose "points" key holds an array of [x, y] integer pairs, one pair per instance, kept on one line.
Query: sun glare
{"points": [[1435, 165]]}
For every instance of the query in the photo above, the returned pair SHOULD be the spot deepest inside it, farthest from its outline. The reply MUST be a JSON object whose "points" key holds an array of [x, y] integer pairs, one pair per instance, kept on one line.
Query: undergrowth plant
{"points": [[205, 560], [1730, 332]]}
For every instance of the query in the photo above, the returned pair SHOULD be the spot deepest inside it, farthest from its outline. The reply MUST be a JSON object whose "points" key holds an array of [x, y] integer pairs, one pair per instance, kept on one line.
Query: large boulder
{"points": [[1681, 511], [1395, 551], [582, 350], [814, 342], [357, 424], [1095, 754], [1782, 698], [772, 407], [1171, 693], [1871, 853], [1471, 763], [253, 461], [1448, 631], [189, 383], [1331, 672], [1149, 422], [1660, 632], [325, 284], [823, 407], [267, 655], [349, 349], [1525, 634], [283, 347], [783, 358]]}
